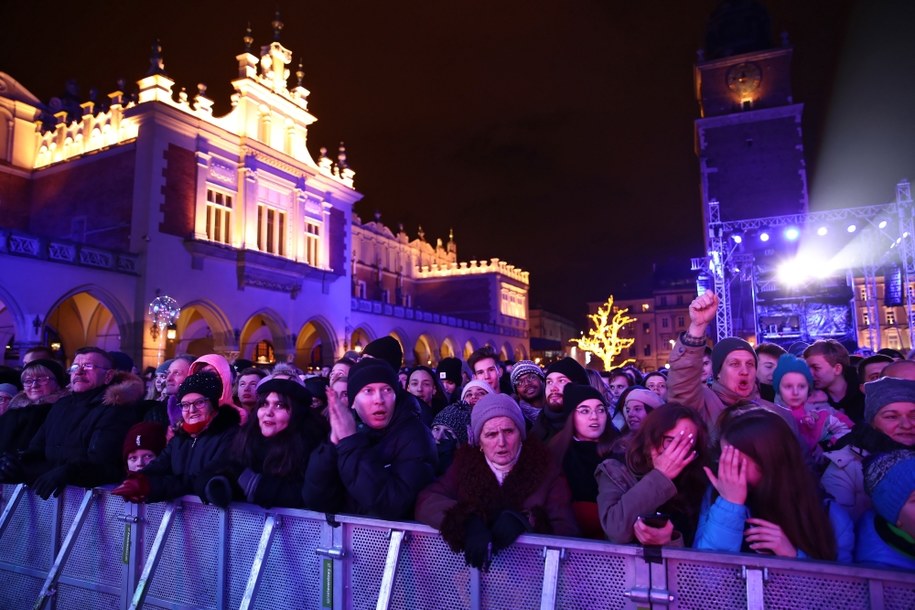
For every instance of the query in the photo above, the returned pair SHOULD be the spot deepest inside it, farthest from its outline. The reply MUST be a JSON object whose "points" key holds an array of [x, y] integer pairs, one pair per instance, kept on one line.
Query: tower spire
{"points": [[277, 26]]}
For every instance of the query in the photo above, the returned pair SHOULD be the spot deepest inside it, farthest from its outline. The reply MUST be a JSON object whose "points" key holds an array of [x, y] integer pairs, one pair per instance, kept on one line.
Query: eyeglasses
{"points": [[197, 405], [30, 381], [528, 379], [588, 412], [88, 366]]}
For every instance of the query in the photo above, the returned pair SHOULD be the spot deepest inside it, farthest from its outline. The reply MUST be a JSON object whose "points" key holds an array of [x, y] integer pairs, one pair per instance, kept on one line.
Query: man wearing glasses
{"points": [[528, 380], [80, 441]]}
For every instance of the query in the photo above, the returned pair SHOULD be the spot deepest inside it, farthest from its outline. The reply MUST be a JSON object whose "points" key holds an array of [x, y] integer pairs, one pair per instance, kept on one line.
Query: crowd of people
{"points": [[807, 452]]}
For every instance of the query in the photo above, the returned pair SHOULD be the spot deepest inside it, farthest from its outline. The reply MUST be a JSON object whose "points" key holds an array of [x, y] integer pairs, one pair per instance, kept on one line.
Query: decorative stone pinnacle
{"points": [[156, 63], [277, 26], [248, 38], [341, 157], [300, 74]]}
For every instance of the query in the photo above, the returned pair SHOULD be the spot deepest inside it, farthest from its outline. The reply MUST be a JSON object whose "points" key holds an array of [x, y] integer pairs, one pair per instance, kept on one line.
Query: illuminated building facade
{"points": [[104, 206]]}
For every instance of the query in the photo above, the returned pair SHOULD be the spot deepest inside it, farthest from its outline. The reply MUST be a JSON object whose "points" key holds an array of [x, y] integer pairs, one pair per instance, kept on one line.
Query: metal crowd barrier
{"points": [[92, 550]]}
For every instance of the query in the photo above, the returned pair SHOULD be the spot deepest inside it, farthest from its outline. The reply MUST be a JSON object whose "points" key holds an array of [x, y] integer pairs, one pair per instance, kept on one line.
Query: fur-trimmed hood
{"points": [[22, 401], [125, 389]]}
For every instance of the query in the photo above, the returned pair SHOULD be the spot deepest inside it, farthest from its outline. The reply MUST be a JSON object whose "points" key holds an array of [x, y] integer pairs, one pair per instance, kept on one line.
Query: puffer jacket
{"points": [[85, 431], [174, 472], [23, 419], [374, 472]]}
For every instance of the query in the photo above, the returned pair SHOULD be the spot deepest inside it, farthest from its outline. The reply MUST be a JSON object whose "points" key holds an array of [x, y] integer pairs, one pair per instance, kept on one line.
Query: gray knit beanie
{"points": [[883, 391], [495, 405]]}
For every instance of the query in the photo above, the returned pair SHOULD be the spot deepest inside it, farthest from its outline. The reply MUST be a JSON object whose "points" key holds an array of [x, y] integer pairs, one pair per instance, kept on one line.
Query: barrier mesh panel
{"points": [[369, 548], [704, 587], [27, 540], [18, 590], [77, 597], [502, 587], [591, 580], [96, 556], [292, 574], [244, 532], [787, 590], [429, 575], [897, 598], [151, 516], [189, 558]]}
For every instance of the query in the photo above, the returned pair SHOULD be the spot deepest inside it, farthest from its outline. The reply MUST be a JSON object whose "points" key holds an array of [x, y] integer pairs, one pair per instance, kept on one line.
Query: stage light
{"points": [[792, 233], [822, 231], [882, 224], [791, 273], [763, 236], [851, 228], [737, 238], [905, 235]]}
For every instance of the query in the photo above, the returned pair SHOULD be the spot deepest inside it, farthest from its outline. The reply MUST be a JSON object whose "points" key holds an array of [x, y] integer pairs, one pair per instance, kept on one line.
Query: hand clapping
{"points": [[340, 416]]}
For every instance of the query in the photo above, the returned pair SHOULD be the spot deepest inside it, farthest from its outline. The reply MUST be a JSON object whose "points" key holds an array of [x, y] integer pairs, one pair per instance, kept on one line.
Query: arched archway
{"points": [[520, 352], [315, 345], [424, 350], [264, 325], [12, 329], [506, 352], [469, 348], [87, 316], [361, 337], [447, 349]]}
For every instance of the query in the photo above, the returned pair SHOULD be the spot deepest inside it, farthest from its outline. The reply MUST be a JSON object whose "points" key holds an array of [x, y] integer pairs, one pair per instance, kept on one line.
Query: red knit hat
{"points": [[145, 435]]}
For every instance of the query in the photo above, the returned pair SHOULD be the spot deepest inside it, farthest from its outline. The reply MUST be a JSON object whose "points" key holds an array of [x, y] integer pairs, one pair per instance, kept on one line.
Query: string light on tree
{"points": [[603, 339]]}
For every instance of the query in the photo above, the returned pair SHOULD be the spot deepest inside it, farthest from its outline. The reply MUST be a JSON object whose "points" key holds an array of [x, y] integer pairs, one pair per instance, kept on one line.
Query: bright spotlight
{"points": [[822, 231], [851, 228], [882, 224], [763, 236], [792, 233], [905, 235], [791, 273], [737, 239]]}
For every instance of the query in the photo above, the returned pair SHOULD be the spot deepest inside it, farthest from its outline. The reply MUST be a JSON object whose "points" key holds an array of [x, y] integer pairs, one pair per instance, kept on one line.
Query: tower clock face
{"points": [[744, 78]]}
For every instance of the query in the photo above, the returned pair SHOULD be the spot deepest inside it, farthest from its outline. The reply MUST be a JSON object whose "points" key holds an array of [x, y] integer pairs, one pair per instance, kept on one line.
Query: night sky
{"points": [[556, 136]]}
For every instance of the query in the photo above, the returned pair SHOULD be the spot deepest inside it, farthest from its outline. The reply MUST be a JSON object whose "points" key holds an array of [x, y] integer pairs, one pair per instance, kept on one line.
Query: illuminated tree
{"points": [[604, 340]]}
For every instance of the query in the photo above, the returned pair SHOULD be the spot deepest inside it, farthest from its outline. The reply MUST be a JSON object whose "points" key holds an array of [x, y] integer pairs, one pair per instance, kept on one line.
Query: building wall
{"points": [[232, 217]]}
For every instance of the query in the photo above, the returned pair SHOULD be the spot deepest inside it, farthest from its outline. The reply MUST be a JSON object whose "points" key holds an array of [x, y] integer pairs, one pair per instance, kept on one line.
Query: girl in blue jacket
{"points": [[765, 497]]}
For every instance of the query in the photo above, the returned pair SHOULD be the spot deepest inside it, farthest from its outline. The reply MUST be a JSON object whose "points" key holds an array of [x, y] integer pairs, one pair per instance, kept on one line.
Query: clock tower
{"points": [[748, 136]]}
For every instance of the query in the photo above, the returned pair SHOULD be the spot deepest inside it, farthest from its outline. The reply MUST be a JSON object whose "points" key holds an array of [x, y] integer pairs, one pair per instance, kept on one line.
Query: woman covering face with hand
{"points": [[661, 472], [764, 497]]}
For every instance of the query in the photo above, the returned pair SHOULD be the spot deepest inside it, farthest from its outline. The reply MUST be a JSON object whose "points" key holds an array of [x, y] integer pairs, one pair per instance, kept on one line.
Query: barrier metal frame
{"points": [[296, 558]]}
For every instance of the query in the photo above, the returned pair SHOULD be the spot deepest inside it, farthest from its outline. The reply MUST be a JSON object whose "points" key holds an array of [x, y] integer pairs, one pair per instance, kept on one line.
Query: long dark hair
{"points": [[691, 483], [286, 453], [767, 440], [559, 444]]}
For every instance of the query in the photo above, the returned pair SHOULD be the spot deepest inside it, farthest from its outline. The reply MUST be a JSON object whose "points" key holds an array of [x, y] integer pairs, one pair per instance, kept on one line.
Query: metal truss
{"points": [[726, 265]]}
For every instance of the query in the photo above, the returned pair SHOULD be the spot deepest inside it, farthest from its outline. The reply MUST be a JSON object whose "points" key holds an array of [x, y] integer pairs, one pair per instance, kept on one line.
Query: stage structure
{"points": [[790, 278]]}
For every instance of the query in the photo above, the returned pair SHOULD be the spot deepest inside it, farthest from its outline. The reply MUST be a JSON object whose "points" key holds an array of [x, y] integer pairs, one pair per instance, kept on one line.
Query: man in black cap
{"points": [[733, 369], [553, 416], [448, 372], [386, 348]]}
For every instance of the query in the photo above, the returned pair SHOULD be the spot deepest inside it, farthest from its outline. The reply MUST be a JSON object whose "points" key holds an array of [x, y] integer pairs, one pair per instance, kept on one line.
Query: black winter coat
{"points": [[174, 472], [22, 421], [374, 472], [85, 432]]}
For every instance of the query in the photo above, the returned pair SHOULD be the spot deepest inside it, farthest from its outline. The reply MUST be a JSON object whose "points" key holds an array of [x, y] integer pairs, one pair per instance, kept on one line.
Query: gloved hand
{"points": [[248, 480], [477, 539], [51, 482], [135, 488], [11, 470], [506, 529], [218, 491]]}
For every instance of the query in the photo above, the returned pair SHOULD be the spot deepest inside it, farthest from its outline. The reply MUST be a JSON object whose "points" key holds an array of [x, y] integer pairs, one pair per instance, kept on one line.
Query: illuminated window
{"points": [[219, 216], [646, 328], [863, 293], [865, 318], [263, 352], [512, 302], [645, 307], [890, 317], [271, 230], [312, 243]]}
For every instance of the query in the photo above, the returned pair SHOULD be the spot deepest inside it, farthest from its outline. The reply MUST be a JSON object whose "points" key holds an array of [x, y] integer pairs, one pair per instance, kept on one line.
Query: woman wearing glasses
{"points": [[580, 447], [654, 493], [44, 382], [204, 434]]}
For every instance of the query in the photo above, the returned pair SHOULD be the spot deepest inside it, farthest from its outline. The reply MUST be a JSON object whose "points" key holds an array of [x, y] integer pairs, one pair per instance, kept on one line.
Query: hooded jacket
{"points": [[85, 431], [174, 472], [374, 472]]}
